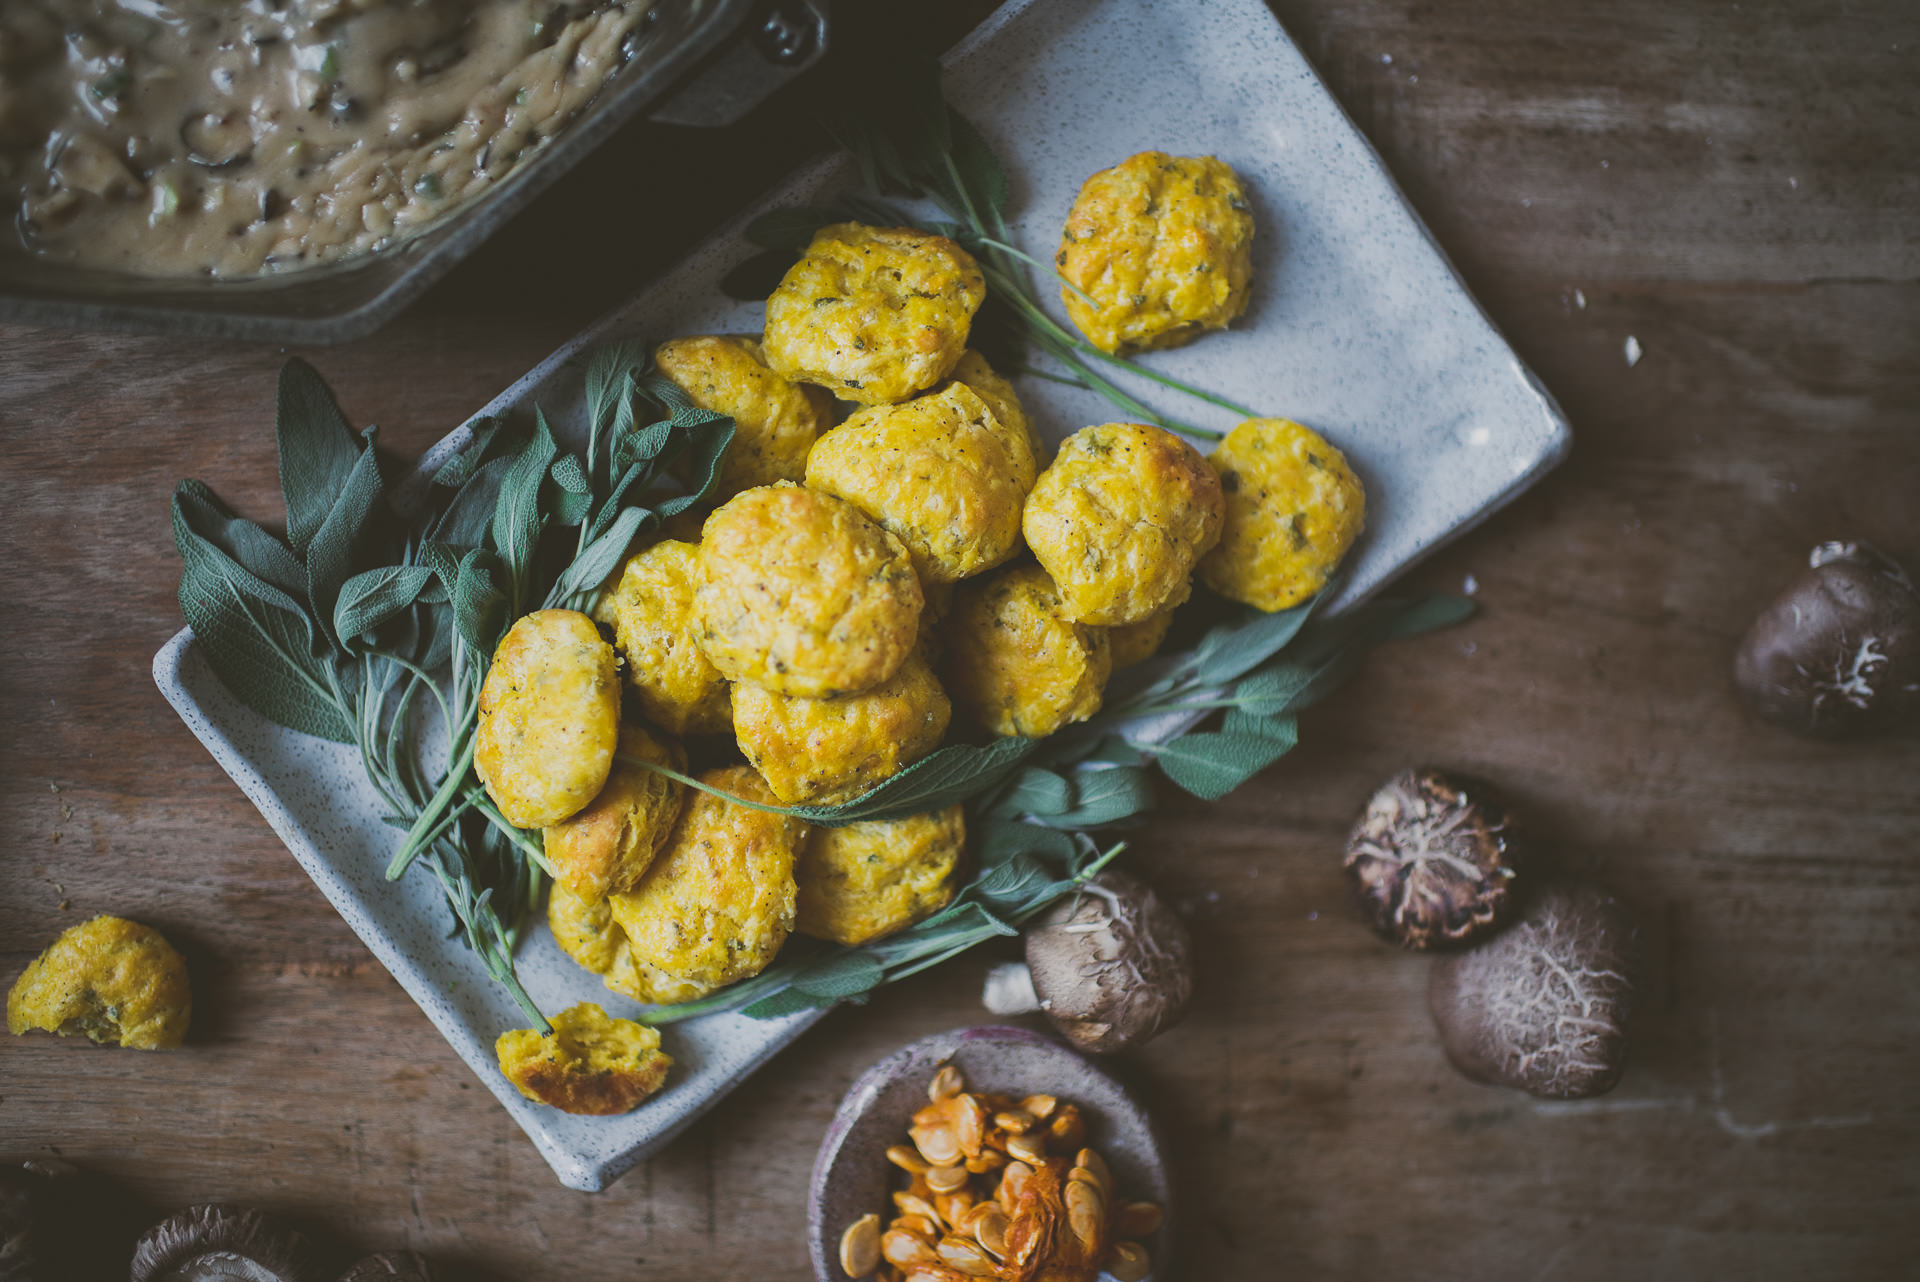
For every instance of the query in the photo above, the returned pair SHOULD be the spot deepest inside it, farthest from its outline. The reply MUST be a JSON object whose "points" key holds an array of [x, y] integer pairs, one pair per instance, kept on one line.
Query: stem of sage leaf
{"points": [[430, 814], [527, 846], [707, 788]]}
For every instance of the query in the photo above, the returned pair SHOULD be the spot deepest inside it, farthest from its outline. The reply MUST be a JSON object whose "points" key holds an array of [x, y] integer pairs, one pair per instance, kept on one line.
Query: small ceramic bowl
{"points": [[852, 1176]]}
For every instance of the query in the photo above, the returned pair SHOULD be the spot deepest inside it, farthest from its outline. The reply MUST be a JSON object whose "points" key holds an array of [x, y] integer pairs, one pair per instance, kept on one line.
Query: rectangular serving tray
{"points": [[1358, 327]]}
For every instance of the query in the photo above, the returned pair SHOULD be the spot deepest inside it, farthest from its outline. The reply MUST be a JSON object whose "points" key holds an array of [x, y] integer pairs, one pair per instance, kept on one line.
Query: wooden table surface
{"points": [[1733, 186]]}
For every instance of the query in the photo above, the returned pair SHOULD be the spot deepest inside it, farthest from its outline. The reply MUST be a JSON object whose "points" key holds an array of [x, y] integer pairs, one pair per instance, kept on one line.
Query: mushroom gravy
{"points": [[239, 138]]}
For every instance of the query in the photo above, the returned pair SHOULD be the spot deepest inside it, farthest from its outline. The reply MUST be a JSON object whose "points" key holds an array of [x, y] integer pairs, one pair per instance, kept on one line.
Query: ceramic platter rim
{"points": [[1453, 360]]}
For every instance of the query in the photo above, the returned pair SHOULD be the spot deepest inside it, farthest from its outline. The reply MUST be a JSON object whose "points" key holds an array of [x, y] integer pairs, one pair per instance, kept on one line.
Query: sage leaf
{"points": [[1212, 764], [638, 449], [845, 975], [941, 778], [668, 394], [1012, 881], [258, 638], [599, 559], [998, 840], [317, 450], [478, 450], [516, 516], [468, 516], [259, 552], [345, 533], [479, 603], [1040, 792], [1239, 721], [372, 597], [706, 449], [776, 1005], [610, 369], [1233, 649], [1105, 797], [571, 475]]}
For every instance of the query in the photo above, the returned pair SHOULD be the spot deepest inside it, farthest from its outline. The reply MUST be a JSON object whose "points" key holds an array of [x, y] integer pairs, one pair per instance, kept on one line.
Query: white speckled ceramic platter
{"points": [[1357, 327]]}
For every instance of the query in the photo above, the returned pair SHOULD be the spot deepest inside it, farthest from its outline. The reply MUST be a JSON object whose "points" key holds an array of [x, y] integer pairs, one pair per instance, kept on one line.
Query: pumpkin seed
{"points": [[902, 1248], [947, 1179], [1128, 1262], [860, 1246], [966, 1256], [946, 1084], [988, 1225], [913, 1204], [906, 1159], [1031, 1149], [1140, 1219], [1041, 1106], [936, 1144]]}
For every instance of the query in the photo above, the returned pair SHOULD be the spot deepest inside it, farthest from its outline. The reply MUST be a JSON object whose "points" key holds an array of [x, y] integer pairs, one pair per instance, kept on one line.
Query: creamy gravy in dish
{"points": [[236, 138]]}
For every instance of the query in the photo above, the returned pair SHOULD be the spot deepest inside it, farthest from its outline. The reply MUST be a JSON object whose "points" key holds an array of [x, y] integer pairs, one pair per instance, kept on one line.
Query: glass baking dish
{"points": [[698, 62]]}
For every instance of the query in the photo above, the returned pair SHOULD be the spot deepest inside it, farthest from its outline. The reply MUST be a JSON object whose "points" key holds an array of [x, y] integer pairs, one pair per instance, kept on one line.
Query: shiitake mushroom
{"points": [[1110, 965], [1838, 652], [1543, 1006], [219, 1243], [1432, 860]]}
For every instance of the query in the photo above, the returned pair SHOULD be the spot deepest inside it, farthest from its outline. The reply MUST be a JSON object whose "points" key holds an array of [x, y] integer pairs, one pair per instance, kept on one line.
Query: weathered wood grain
{"points": [[1732, 185]]}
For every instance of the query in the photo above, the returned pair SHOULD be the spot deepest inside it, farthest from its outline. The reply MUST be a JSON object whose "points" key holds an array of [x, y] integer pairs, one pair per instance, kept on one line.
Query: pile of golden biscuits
{"points": [[860, 587]]}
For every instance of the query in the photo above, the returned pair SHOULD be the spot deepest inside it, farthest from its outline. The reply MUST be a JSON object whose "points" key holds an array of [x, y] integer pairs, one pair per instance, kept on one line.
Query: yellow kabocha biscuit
{"points": [[1294, 507], [650, 608], [826, 751], [775, 421], [112, 979], [873, 314], [585, 930], [866, 880], [1120, 520], [589, 1064], [608, 845], [1010, 419], [935, 472], [1137, 642], [1162, 245], [718, 901], [800, 593], [1016, 664], [549, 718]]}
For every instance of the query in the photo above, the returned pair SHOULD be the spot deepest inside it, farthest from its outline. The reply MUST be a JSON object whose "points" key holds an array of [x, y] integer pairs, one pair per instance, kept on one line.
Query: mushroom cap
{"points": [[1838, 652], [1111, 963], [221, 1243], [1432, 860], [1543, 1006]]}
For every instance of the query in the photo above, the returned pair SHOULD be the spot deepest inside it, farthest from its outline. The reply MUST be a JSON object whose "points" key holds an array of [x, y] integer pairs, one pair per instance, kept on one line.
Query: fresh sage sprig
{"points": [[362, 621], [922, 149]]}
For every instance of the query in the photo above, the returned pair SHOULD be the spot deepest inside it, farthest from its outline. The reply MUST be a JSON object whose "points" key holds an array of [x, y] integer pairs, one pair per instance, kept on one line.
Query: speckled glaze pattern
{"points": [[1357, 327], [852, 1177]]}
